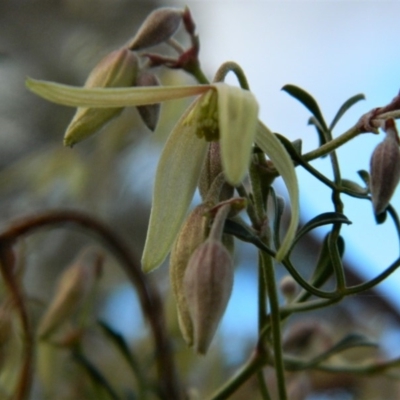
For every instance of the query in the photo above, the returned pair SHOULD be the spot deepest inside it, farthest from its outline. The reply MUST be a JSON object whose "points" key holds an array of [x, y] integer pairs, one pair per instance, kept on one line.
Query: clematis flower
{"points": [[222, 112]]}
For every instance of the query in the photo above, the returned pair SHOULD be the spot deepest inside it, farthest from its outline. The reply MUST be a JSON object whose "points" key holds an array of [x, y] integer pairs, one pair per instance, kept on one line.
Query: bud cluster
{"points": [[201, 271], [123, 68]]}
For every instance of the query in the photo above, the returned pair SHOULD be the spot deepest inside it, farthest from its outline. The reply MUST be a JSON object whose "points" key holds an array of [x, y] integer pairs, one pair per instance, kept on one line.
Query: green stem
{"points": [[345, 137], [263, 386], [373, 282], [295, 364], [256, 361], [262, 296], [303, 283], [268, 269], [231, 66], [332, 144], [198, 74], [336, 259], [307, 306]]}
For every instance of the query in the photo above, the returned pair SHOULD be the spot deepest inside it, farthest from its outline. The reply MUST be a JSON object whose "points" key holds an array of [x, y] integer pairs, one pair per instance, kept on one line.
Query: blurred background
{"points": [[333, 50]]}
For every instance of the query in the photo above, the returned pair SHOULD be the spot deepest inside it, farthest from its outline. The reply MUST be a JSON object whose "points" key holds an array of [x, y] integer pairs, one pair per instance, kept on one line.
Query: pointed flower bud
{"points": [[73, 287], [117, 69], [191, 235], [188, 22], [150, 113], [208, 283], [385, 168], [158, 27]]}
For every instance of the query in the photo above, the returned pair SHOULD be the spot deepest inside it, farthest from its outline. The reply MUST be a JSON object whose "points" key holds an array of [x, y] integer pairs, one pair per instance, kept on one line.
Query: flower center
{"points": [[205, 116]]}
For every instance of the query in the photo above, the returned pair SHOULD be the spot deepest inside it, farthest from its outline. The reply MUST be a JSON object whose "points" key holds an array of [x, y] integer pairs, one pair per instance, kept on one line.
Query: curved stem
{"points": [[7, 267], [231, 66], [148, 295], [198, 74], [303, 283], [373, 282], [307, 306], [332, 144]]}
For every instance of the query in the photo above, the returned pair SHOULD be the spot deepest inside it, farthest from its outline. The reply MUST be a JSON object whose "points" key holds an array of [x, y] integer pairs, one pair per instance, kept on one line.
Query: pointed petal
{"points": [[111, 97], [177, 176], [238, 118], [269, 143]]}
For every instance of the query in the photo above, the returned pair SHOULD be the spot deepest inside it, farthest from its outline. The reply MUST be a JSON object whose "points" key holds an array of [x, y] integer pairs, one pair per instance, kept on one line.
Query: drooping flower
{"points": [[223, 112], [385, 168]]}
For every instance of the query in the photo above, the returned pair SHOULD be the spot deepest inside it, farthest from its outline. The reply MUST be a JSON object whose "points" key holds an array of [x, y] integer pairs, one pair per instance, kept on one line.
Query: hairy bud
{"points": [[191, 235], [117, 69], [208, 285], [150, 113], [73, 287], [385, 168], [158, 27]]}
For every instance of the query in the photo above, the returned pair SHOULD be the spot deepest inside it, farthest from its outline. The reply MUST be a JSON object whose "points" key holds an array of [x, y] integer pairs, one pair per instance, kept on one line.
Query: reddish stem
{"points": [[147, 292]]}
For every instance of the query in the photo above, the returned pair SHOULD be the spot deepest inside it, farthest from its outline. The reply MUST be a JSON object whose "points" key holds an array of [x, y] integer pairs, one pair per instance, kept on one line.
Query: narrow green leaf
{"points": [[308, 101], [123, 348], [111, 97], [176, 180], [345, 106], [322, 137], [279, 206], [320, 220], [354, 189], [95, 375], [238, 117], [246, 234], [364, 175], [273, 148]]}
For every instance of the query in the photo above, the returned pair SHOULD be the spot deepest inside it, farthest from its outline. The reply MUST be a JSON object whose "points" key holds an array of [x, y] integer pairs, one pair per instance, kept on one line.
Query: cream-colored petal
{"points": [[177, 176], [238, 117], [111, 97], [269, 143]]}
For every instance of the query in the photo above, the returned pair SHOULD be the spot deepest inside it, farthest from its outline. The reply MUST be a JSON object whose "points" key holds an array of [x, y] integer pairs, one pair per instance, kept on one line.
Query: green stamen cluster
{"points": [[205, 116]]}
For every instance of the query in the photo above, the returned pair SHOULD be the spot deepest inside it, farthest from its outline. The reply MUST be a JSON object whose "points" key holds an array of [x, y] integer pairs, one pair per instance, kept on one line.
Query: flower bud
{"points": [[191, 235], [117, 69], [208, 285], [188, 21], [385, 168], [288, 287], [150, 113], [73, 287], [212, 167], [158, 27]]}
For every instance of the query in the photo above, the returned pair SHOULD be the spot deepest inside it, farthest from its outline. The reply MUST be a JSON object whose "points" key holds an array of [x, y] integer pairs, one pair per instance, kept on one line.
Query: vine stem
{"points": [[147, 292], [231, 66], [275, 318], [254, 364], [7, 261]]}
